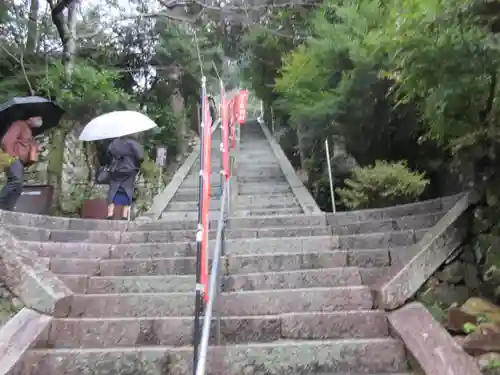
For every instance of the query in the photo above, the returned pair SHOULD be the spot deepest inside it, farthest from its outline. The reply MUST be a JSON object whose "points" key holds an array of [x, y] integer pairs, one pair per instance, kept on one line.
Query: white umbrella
{"points": [[116, 124]]}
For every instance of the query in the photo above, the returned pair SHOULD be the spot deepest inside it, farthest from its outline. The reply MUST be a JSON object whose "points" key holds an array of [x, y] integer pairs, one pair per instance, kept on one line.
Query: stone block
{"points": [[311, 278], [30, 280], [238, 264], [428, 343], [145, 266], [377, 240], [140, 284], [434, 248], [24, 331], [282, 245]]}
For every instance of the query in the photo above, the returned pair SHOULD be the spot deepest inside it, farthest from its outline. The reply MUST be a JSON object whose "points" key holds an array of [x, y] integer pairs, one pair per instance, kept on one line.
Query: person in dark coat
{"points": [[18, 142], [126, 156]]}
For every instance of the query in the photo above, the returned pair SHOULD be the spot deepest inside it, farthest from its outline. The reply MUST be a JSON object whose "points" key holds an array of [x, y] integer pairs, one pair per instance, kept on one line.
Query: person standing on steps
{"points": [[126, 157], [18, 142]]}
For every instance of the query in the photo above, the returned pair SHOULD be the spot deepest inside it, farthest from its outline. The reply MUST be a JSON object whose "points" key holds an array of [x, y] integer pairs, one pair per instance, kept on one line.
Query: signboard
{"points": [[242, 106], [161, 156]]}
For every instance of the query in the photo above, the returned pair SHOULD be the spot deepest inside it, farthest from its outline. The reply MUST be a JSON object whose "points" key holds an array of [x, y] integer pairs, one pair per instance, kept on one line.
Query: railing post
{"points": [[199, 238], [328, 163]]}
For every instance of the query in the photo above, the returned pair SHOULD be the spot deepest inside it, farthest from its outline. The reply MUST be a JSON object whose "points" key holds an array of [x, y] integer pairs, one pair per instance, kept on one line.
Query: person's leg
{"points": [[126, 212], [111, 210], [13, 187]]}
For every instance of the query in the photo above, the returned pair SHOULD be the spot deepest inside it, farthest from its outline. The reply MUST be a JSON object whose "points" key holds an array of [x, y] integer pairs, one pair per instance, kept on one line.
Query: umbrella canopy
{"points": [[22, 108], [116, 124]]}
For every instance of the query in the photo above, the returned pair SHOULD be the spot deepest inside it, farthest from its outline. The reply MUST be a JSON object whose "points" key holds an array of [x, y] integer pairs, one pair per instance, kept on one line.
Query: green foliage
{"points": [[382, 184], [91, 92]]}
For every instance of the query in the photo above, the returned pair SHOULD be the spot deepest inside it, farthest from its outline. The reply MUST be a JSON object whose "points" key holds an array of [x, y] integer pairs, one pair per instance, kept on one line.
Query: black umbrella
{"points": [[22, 108]]}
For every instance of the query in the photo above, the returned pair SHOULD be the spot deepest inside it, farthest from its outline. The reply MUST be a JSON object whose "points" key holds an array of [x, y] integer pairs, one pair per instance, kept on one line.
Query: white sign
{"points": [[161, 156], [31, 193]]}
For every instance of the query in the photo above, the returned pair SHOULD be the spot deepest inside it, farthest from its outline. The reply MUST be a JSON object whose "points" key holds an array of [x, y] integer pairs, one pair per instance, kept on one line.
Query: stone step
{"points": [[233, 222], [185, 283], [387, 225], [375, 355], [180, 216], [264, 188], [191, 206], [269, 211], [277, 179], [241, 303], [265, 238], [177, 331], [255, 198], [214, 176], [434, 206], [236, 264], [191, 194]]}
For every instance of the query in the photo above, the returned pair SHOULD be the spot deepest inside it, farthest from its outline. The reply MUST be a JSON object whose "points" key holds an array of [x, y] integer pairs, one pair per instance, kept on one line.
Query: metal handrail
{"points": [[214, 286]]}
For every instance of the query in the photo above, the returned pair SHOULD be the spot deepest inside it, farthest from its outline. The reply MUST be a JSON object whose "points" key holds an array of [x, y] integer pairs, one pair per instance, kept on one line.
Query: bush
{"points": [[382, 184]]}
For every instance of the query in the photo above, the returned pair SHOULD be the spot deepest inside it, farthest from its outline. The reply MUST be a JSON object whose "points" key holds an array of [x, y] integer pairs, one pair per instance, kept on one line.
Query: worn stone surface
{"points": [[301, 358], [430, 253], [25, 330], [266, 302], [30, 280], [177, 331], [429, 344]]}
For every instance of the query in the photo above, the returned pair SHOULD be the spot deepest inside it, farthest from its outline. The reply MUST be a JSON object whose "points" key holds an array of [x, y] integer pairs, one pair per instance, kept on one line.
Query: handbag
{"points": [[104, 172], [103, 175]]}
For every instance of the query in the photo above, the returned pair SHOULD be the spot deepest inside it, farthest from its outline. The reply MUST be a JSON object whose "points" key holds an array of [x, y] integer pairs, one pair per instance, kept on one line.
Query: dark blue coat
{"points": [[126, 155]]}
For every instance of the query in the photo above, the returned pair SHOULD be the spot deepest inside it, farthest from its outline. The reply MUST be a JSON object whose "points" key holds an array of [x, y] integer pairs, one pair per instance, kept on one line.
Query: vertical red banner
{"points": [[233, 121], [242, 106], [205, 202], [225, 132]]}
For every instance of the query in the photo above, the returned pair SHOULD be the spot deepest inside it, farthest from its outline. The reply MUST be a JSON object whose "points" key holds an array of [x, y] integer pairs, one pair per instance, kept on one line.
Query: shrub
{"points": [[382, 184]]}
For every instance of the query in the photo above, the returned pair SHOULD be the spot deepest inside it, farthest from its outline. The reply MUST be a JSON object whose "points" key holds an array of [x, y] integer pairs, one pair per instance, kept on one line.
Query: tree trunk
{"points": [[177, 102], [66, 28], [32, 39]]}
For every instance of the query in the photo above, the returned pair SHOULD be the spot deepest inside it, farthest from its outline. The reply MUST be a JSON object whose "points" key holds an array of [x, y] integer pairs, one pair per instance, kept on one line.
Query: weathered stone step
{"points": [[326, 277], [193, 183], [383, 355], [214, 176], [267, 302], [191, 205], [278, 179], [237, 264], [388, 225], [434, 206], [234, 222], [270, 211], [180, 216], [264, 188], [192, 194], [266, 204], [177, 331], [253, 198]]}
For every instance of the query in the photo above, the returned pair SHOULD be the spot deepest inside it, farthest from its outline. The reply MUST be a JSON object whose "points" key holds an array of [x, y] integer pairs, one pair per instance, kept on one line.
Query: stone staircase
{"points": [[296, 300], [184, 204], [262, 185]]}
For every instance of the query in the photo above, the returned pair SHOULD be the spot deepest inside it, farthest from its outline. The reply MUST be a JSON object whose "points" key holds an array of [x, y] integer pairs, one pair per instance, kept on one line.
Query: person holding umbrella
{"points": [[125, 152], [21, 119], [126, 157]]}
